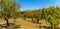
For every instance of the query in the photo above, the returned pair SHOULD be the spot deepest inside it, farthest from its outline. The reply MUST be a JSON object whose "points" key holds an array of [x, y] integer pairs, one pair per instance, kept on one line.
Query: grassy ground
{"points": [[27, 25]]}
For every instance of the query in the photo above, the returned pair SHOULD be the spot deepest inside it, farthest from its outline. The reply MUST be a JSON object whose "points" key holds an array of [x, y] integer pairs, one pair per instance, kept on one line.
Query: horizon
{"points": [[37, 4]]}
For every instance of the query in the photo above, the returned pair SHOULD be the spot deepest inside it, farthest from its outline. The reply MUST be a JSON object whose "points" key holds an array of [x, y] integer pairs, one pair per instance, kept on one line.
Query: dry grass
{"points": [[25, 24]]}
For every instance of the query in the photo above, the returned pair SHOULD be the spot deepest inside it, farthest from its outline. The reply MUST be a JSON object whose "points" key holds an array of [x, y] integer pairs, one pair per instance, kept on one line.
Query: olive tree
{"points": [[9, 9]]}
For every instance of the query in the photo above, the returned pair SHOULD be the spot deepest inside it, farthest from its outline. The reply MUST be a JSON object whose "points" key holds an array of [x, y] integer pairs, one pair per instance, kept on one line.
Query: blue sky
{"points": [[37, 4]]}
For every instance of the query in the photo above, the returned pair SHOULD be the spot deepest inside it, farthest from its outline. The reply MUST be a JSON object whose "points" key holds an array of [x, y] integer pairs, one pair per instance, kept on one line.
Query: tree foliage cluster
{"points": [[53, 11]]}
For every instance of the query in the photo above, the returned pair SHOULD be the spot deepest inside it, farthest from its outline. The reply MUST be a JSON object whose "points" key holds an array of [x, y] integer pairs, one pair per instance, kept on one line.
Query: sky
{"points": [[37, 4]]}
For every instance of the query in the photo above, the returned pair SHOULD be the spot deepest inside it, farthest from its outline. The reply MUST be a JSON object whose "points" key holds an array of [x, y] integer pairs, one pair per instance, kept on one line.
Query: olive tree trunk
{"points": [[6, 21]]}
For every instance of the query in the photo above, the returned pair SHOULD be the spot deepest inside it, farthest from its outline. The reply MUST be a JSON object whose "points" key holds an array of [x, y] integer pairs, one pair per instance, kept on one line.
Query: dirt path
{"points": [[27, 25]]}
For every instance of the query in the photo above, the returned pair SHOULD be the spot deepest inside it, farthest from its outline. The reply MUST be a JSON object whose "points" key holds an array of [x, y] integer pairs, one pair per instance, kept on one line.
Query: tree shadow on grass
{"points": [[12, 26]]}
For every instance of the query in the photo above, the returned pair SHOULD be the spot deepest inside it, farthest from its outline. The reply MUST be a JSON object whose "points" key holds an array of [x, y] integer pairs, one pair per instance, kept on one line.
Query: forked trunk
{"points": [[6, 21]]}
